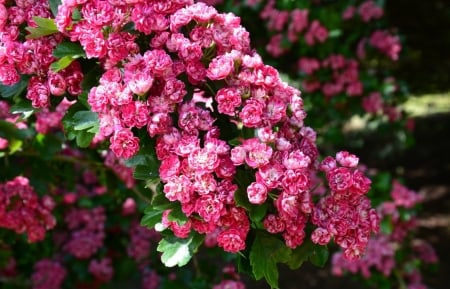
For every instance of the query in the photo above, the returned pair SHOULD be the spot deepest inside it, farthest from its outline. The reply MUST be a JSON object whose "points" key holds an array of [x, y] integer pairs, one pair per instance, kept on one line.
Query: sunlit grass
{"points": [[427, 104]]}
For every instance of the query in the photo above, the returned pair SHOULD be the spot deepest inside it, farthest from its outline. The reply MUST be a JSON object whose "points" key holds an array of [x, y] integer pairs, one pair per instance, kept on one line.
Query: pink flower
{"points": [[141, 82], [257, 193], [48, 274], [320, 236], [258, 154], [387, 44], [203, 160], [178, 188], [361, 184], [340, 179], [102, 269], [348, 13], [220, 67], [169, 167], [370, 10], [8, 74], [373, 103], [124, 144], [251, 113], [231, 240], [228, 99], [347, 159], [3, 143], [209, 207], [273, 224], [308, 65], [316, 33], [296, 160]]}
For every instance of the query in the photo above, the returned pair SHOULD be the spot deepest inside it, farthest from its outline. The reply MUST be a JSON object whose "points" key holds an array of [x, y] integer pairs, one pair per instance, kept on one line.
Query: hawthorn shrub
{"points": [[117, 111]]}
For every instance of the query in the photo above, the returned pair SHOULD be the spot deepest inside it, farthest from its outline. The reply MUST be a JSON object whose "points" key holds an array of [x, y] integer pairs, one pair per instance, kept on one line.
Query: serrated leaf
{"points": [[8, 91], [46, 26], [316, 254], [178, 252], [61, 63], [71, 49], [266, 252], [151, 217], [300, 254], [47, 23]]}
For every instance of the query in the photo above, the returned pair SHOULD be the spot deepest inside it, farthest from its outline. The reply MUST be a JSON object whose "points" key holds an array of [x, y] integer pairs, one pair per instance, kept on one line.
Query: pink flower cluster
{"points": [[382, 249], [150, 279], [386, 43], [22, 211], [344, 75], [48, 274], [33, 56], [117, 165], [140, 245], [379, 255], [296, 22], [47, 120], [191, 44], [101, 269], [346, 214], [367, 10], [86, 231]]}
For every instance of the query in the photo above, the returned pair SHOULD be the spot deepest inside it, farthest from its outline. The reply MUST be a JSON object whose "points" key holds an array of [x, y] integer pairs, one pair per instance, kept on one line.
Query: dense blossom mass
{"points": [[189, 78], [22, 211], [382, 254]]}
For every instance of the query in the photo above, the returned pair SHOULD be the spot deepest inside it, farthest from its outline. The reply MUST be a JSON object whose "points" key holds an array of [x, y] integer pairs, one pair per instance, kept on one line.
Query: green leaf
{"points": [[61, 63], [84, 139], [266, 251], [177, 215], [15, 90], [14, 146], [382, 182], [319, 256], [146, 172], [258, 212], [316, 254], [80, 125], [386, 226], [46, 26], [160, 202], [10, 131], [23, 107], [300, 254], [176, 251], [47, 145], [151, 217], [54, 6], [75, 50], [85, 120]]}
